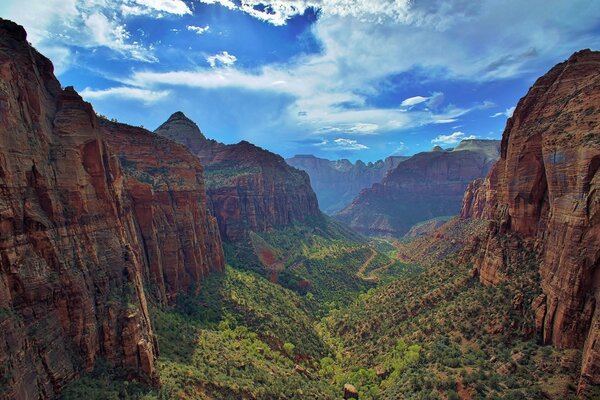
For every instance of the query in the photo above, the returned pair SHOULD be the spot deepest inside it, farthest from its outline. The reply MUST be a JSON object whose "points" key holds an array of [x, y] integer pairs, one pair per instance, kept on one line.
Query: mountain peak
{"points": [[178, 115], [180, 123]]}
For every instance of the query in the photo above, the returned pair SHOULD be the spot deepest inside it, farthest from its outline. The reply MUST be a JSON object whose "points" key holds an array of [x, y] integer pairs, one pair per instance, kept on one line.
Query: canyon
{"points": [[122, 249]]}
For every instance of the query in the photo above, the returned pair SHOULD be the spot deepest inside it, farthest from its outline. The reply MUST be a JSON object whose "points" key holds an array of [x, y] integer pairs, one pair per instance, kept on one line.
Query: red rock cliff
{"points": [[180, 237], [75, 256], [545, 190], [249, 188]]}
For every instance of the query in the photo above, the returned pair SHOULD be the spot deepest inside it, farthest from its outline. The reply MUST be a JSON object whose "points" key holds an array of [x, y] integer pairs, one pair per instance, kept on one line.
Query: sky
{"points": [[334, 78]]}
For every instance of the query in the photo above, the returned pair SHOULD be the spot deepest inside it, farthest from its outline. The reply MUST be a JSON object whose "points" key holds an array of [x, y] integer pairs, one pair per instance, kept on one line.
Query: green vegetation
{"points": [[223, 174], [340, 309]]}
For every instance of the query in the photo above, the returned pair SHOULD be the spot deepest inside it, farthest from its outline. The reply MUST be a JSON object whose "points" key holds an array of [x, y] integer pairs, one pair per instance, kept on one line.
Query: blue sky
{"points": [[335, 78]]}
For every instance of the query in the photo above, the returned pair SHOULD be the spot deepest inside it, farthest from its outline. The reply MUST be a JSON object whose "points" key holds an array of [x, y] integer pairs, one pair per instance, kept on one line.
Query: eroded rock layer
{"points": [[545, 192], [75, 240], [249, 188]]}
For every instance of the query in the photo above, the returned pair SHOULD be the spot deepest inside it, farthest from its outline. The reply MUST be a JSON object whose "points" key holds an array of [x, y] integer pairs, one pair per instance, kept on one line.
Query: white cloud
{"points": [[222, 58], [453, 138], [507, 113], [147, 96], [176, 7], [225, 3], [412, 101], [341, 144], [401, 147], [198, 29], [111, 34], [348, 144]]}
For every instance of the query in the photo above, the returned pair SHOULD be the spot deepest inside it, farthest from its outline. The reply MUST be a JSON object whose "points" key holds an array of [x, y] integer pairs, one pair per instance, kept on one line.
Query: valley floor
{"points": [[398, 320]]}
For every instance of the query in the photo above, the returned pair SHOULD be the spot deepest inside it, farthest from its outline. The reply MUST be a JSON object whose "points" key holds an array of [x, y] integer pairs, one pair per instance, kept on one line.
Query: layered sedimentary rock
{"points": [[544, 194], [337, 183], [428, 185], [249, 188], [74, 257], [180, 236]]}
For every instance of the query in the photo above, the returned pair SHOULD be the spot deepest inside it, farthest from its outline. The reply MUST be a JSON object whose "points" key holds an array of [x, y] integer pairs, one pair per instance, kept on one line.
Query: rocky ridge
{"points": [[544, 195], [77, 256], [249, 188]]}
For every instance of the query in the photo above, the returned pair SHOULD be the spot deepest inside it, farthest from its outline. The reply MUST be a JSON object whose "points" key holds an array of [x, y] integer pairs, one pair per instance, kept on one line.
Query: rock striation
{"points": [[544, 195], [84, 241], [428, 185], [249, 188], [337, 183]]}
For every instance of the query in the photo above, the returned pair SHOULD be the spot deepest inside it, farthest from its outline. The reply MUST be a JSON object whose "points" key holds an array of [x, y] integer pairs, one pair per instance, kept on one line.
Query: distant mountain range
{"points": [[338, 182], [428, 185]]}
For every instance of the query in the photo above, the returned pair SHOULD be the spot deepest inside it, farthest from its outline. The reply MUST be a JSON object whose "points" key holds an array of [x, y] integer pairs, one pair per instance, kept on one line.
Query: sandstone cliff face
{"points": [[426, 186], [545, 192], [337, 183], [249, 188], [74, 262], [180, 237]]}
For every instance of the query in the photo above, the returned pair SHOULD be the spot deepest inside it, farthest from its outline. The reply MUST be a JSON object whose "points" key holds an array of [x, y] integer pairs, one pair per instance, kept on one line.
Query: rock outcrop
{"points": [[337, 183], [249, 188], [428, 185], [544, 195], [75, 257], [165, 183]]}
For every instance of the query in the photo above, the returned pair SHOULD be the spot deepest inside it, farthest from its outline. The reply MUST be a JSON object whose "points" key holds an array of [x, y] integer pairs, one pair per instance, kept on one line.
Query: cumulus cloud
{"points": [[198, 29], [222, 58], [341, 144], [176, 7], [278, 12], [146, 96], [412, 101], [507, 113], [452, 138]]}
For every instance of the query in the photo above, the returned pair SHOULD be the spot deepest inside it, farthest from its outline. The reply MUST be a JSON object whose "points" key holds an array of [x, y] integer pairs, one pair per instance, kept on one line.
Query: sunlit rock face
{"points": [[545, 189], [84, 238]]}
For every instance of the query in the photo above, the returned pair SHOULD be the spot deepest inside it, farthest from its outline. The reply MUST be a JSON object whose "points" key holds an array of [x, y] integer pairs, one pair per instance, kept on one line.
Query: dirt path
{"points": [[372, 277]]}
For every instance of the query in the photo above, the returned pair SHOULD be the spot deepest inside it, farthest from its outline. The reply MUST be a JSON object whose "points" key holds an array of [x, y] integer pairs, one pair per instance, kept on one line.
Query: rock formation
{"points": [[428, 185], [81, 240], [249, 188], [544, 195], [338, 182]]}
